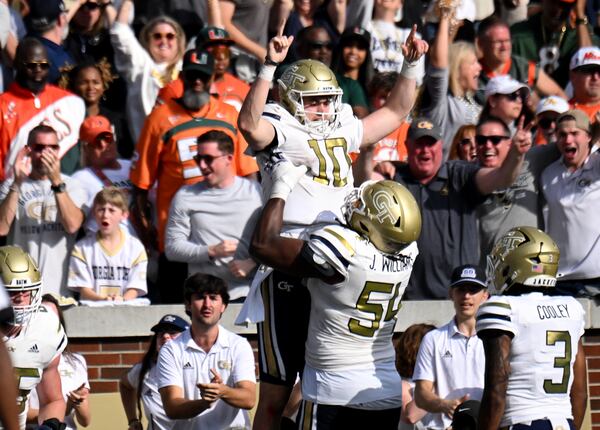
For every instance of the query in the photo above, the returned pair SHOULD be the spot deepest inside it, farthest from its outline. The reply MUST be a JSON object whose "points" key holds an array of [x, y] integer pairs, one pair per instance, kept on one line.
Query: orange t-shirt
{"points": [[167, 145], [591, 110], [230, 90], [393, 146], [21, 111]]}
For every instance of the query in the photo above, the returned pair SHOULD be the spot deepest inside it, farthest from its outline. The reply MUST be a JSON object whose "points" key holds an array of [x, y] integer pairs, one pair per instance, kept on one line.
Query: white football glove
{"points": [[285, 176]]}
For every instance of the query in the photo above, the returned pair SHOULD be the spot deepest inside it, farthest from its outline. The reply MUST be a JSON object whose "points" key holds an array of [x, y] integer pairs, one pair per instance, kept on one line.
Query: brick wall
{"points": [[591, 344], [108, 359]]}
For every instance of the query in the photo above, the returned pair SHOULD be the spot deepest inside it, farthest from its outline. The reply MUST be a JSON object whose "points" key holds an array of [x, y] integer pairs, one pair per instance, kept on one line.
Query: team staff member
{"points": [[207, 374], [451, 361], [165, 154]]}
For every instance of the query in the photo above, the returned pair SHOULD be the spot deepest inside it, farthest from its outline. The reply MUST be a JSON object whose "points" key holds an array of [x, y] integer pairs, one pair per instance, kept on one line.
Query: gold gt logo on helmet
{"points": [[383, 203]]}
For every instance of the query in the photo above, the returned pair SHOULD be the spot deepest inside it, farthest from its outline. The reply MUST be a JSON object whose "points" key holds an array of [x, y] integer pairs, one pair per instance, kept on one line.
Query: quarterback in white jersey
{"points": [[316, 131], [356, 273], [34, 338], [535, 364]]}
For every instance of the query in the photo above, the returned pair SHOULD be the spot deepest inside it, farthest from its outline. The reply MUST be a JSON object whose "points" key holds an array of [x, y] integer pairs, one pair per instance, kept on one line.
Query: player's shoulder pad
{"points": [[336, 244], [496, 314]]}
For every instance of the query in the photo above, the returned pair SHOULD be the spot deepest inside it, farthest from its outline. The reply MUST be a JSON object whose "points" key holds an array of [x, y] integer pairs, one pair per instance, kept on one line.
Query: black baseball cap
{"points": [[210, 36], [468, 274], [421, 127], [357, 33], [171, 322], [201, 61], [466, 415], [43, 12]]}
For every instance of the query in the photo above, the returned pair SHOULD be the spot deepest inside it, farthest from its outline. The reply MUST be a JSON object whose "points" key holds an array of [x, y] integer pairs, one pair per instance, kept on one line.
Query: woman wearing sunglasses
{"points": [[463, 145], [507, 99], [146, 64]]}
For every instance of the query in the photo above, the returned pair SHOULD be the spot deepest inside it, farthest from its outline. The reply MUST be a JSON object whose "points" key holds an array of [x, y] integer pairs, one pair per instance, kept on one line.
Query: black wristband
{"points": [[60, 188], [269, 62]]}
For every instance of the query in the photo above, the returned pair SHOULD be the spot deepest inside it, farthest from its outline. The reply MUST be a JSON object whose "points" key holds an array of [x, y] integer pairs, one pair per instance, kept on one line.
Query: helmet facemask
{"points": [[309, 78], [24, 313], [19, 273]]}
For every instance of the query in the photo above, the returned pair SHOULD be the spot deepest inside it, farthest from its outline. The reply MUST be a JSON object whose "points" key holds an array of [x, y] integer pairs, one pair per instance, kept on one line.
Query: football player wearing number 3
{"points": [[356, 270], [311, 127], [535, 373]]}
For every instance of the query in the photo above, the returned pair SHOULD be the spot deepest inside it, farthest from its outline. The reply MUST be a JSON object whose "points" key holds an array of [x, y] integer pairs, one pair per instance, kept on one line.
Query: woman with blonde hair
{"points": [[146, 64], [463, 145], [450, 83]]}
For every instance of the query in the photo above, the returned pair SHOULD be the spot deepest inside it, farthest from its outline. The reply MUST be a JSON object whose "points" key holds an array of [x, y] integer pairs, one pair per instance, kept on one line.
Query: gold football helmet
{"points": [[384, 212], [525, 256], [306, 78], [19, 273]]}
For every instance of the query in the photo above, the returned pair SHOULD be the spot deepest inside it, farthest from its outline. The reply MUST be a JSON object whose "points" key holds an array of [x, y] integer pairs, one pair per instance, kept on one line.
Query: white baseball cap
{"points": [[503, 84], [589, 55], [552, 104]]}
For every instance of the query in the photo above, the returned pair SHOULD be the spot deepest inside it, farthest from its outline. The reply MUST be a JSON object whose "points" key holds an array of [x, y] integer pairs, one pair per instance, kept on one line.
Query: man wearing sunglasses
{"points": [[29, 100], [41, 208], [210, 223], [448, 194], [585, 78], [518, 204], [165, 155], [47, 21], [315, 43]]}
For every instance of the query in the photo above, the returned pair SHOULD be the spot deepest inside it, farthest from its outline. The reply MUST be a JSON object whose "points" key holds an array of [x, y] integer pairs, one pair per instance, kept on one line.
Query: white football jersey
{"points": [[546, 334], [32, 350], [320, 194], [351, 323], [92, 266]]}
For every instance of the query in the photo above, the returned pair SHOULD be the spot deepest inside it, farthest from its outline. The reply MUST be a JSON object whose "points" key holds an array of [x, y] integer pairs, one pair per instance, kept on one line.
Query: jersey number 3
{"points": [[365, 304], [564, 362]]}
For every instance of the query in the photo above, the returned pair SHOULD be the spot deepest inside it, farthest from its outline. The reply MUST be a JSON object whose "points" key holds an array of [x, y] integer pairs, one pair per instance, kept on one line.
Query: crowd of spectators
{"points": [[108, 85]]}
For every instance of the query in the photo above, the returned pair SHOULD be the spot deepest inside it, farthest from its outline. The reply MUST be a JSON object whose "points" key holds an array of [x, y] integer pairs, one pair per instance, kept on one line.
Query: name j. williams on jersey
{"points": [[111, 273], [553, 311], [383, 263]]}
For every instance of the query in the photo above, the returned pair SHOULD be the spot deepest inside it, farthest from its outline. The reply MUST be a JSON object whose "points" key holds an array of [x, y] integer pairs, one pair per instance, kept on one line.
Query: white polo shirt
{"points": [[455, 364], [573, 202], [183, 363]]}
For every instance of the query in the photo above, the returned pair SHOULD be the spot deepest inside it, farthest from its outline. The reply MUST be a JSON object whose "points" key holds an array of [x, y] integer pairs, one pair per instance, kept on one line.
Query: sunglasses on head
{"points": [[159, 36], [40, 147], [208, 159], [482, 140], [545, 123], [321, 45], [34, 65]]}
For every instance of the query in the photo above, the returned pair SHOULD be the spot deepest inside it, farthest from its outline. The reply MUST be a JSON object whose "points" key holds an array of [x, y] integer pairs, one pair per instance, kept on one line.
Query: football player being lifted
{"points": [[535, 371], [311, 127], [34, 338], [356, 271]]}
